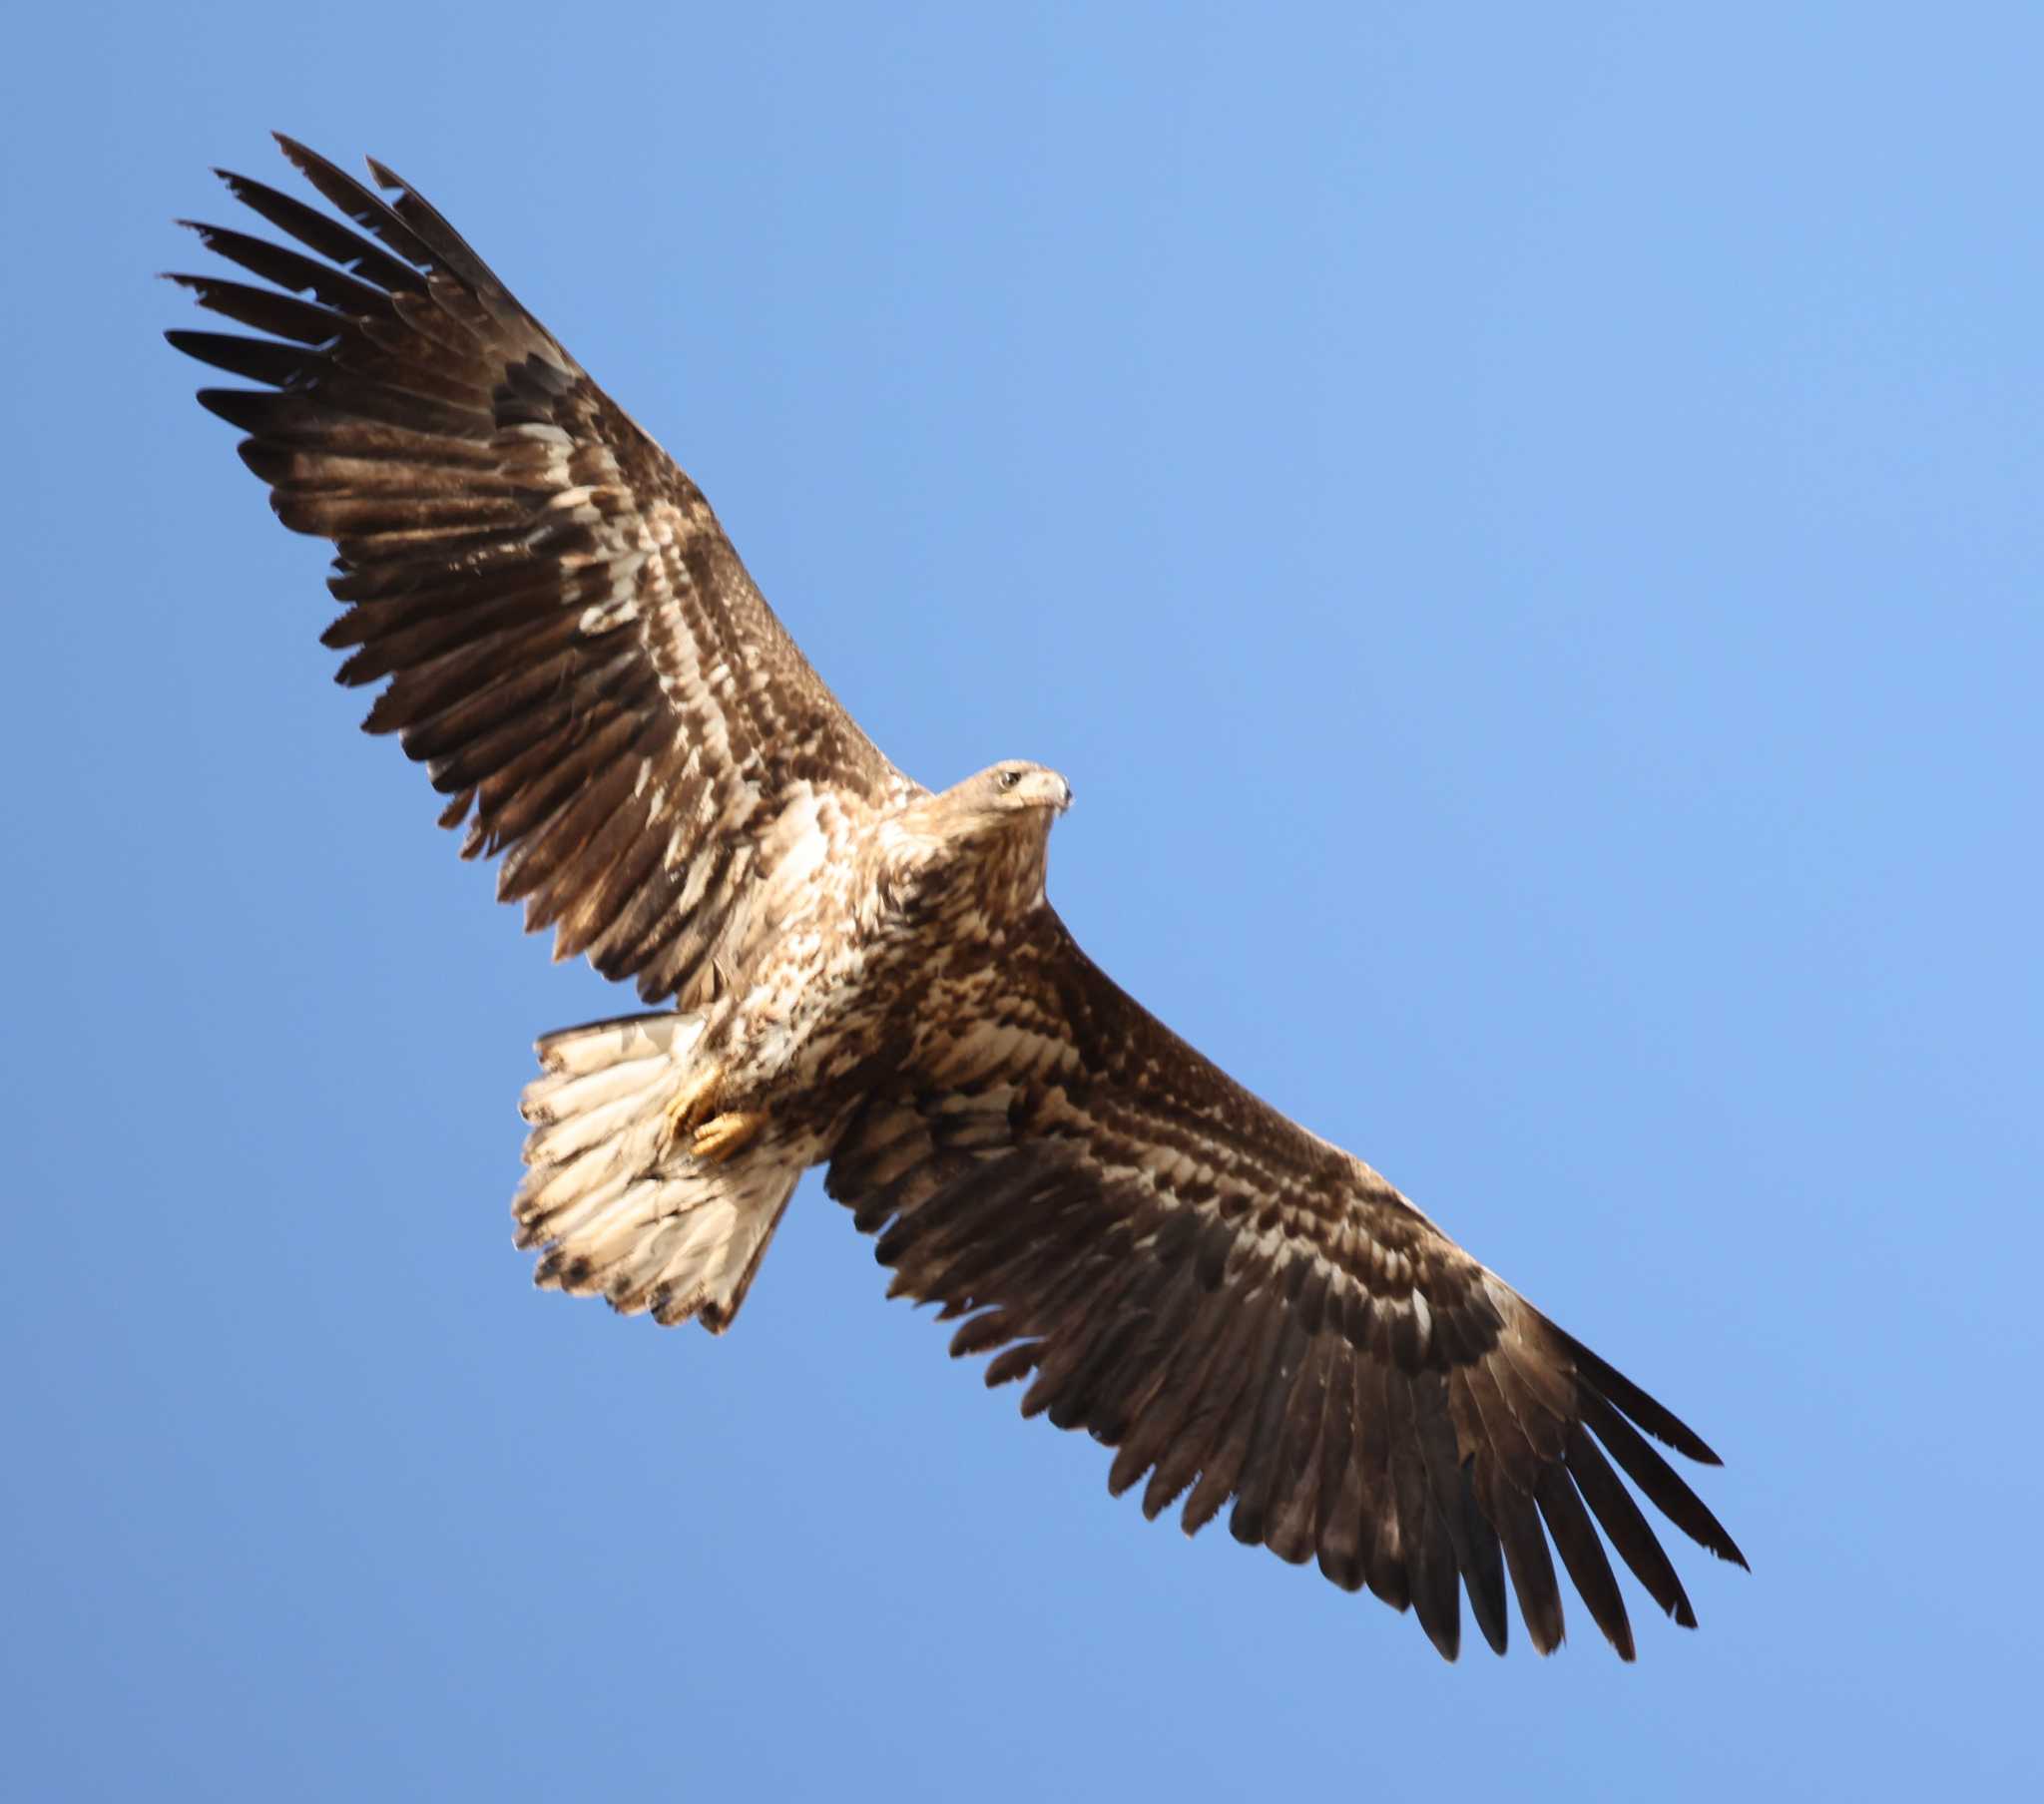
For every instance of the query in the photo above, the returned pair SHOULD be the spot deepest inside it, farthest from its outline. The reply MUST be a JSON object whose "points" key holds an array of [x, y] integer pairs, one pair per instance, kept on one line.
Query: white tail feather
{"points": [[618, 1212]]}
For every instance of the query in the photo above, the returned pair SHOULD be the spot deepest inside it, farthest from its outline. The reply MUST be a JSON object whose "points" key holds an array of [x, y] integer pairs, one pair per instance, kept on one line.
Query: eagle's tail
{"points": [[616, 1210]]}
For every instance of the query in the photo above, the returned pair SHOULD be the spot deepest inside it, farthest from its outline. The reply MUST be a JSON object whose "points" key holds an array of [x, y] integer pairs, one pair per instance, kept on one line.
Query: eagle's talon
{"points": [[690, 1106], [724, 1135]]}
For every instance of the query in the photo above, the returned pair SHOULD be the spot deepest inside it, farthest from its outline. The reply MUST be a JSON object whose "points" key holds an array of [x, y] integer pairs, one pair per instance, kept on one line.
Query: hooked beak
{"points": [[1047, 789]]}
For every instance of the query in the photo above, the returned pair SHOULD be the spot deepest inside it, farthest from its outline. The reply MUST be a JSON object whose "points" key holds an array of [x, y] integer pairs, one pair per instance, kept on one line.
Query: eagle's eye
{"points": [[1009, 778]]}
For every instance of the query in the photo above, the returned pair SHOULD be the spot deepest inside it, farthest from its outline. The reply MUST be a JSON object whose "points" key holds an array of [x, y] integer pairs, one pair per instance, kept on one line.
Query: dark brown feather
{"points": [[1235, 1421], [351, 198], [1473, 1541], [1660, 1482], [318, 232], [1511, 1512], [257, 359], [281, 315], [1626, 1527], [1265, 1465], [1429, 1555], [290, 269], [1385, 1541], [1569, 1526], [1158, 1396], [1620, 1391], [1293, 1503], [1214, 1373]]}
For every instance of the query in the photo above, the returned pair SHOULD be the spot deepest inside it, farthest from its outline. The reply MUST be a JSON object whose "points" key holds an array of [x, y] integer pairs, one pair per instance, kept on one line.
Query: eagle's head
{"points": [[983, 839], [1005, 801], [1012, 785]]}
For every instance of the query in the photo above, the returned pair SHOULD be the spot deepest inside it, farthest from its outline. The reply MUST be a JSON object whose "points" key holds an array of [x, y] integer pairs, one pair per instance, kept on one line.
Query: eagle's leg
{"points": [[722, 1134]]}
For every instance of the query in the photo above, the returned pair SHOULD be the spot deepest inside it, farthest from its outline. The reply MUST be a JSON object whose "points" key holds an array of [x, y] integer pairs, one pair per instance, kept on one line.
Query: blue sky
{"points": [[1521, 527]]}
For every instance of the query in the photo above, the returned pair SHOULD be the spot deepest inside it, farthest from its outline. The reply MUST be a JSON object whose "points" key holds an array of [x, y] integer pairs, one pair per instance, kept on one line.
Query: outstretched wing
{"points": [[1243, 1309], [571, 646]]}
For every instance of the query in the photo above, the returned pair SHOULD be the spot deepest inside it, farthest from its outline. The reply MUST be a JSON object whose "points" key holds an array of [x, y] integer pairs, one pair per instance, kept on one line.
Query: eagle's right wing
{"points": [[572, 646]]}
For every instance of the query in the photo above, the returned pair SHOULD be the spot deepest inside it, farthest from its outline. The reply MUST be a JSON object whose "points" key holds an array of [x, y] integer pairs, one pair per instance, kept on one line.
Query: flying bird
{"points": [[846, 969]]}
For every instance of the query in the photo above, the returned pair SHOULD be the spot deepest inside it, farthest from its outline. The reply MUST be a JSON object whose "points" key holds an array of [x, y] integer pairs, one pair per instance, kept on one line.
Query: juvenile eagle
{"points": [[862, 974]]}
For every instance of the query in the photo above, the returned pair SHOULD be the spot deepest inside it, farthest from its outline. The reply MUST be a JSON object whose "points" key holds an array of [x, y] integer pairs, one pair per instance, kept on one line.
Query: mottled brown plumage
{"points": [[866, 976]]}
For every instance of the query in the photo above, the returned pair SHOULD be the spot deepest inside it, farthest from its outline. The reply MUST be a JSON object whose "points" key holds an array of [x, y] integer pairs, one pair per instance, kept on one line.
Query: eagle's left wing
{"points": [[1247, 1311]]}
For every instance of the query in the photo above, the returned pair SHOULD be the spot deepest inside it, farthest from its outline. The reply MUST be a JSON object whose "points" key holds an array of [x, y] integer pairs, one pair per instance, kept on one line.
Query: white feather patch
{"points": [[618, 1212]]}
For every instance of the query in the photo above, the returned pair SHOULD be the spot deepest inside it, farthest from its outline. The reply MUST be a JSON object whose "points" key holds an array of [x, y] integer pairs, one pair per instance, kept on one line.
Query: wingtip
{"points": [[229, 404], [1648, 1413], [1671, 1431]]}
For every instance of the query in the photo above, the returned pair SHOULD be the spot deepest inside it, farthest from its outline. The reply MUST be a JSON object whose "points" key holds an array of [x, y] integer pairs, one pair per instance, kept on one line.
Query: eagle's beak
{"points": [[1046, 789]]}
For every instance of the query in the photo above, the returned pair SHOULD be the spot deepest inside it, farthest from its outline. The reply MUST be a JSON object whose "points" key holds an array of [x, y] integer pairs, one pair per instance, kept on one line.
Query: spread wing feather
{"points": [[566, 637], [1250, 1316]]}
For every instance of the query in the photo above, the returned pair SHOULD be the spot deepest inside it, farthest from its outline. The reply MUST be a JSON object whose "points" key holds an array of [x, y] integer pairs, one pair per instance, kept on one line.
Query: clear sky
{"points": [[1521, 526]]}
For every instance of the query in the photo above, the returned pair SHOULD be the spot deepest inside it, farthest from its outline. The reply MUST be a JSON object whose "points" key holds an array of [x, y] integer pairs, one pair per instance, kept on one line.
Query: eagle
{"points": [[846, 969]]}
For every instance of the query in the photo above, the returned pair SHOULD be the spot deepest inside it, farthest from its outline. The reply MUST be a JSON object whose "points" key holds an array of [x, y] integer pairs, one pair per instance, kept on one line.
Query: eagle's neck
{"points": [[937, 866]]}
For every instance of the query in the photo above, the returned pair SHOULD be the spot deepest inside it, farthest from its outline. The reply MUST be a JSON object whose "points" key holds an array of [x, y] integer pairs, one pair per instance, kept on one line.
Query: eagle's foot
{"points": [[691, 1106], [724, 1135]]}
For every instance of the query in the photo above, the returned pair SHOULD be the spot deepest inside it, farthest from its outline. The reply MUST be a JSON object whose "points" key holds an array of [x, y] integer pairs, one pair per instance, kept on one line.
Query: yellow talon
{"points": [[690, 1105], [724, 1135]]}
